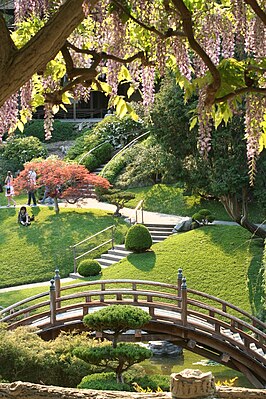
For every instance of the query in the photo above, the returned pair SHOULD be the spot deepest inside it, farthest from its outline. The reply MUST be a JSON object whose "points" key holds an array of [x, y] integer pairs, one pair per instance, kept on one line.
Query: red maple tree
{"points": [[63, 180]]}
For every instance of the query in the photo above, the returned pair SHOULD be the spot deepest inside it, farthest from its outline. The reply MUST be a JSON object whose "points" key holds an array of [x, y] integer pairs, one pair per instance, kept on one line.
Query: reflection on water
{"points": [[190, 360]]}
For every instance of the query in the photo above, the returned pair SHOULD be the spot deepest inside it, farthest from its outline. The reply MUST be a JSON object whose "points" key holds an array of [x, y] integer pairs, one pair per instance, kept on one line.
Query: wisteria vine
{"points": [[192, 42]]}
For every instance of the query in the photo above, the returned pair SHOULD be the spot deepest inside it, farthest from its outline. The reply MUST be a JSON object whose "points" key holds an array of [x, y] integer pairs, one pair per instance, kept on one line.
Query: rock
{"points": [[164, 348], [183, 226], [190, 384]]}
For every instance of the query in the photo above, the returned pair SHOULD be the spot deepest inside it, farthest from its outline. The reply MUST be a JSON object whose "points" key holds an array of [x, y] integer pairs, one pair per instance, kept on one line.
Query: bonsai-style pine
{"points": [[115, 357]]}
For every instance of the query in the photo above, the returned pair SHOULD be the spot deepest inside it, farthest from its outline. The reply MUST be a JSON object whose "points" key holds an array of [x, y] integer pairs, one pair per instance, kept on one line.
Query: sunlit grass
{"points": [[174, 200], [30, 254], [218, 260]]}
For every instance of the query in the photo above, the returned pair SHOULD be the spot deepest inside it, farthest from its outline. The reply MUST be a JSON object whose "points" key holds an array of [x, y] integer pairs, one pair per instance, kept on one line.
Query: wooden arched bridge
{"points": [[197, 321]]}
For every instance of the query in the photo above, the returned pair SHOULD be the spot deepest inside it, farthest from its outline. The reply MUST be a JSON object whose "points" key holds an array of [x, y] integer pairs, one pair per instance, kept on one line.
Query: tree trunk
{"points": [[237, 210], [20, 64], [56, 206]]}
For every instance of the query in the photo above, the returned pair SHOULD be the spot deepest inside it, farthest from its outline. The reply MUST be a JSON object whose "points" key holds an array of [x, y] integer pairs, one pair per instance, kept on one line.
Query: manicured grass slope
{"points": [[173, 200], [32, 253], [219, 260]]}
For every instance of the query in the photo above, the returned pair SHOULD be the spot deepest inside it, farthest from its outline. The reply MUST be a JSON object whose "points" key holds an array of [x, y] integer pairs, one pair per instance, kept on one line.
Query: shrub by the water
{"points": [[138, 238], [89, 267]]}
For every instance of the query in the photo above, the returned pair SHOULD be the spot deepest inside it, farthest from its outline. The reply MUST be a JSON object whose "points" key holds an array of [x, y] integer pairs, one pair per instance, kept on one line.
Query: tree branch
{"points": [[243, 90], [41, 48], [104, 56], [162, 35], [188, 30], [257, 9]]}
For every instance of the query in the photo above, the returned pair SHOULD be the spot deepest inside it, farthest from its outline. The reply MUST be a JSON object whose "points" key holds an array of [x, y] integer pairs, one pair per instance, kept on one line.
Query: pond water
{"points": [[168, 365]]}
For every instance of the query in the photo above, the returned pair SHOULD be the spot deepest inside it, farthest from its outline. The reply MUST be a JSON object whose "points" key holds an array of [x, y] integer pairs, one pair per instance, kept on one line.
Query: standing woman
{"points": [[9, 188]]}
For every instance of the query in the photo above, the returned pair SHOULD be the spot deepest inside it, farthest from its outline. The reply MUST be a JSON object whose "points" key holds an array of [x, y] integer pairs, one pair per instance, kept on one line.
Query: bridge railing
{"points": [[165, 302]]}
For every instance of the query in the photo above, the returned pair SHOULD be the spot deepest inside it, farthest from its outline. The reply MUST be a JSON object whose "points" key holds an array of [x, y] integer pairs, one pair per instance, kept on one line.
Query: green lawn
{"points": [[30, 254], [219, 260], [172, 200]]}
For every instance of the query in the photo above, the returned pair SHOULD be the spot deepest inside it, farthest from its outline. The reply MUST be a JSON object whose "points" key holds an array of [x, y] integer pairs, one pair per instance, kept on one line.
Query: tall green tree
{"points": [[224, 173]]}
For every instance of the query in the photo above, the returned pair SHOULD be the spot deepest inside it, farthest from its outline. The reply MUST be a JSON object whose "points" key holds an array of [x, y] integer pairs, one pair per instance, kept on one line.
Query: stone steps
{"points": [[159, 232], [114, 255]]}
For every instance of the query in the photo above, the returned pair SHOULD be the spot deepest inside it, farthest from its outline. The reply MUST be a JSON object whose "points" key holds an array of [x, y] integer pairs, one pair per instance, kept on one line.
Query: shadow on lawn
{"points": [[143, 261], [230, 243], [256, 285], [56, 233]]}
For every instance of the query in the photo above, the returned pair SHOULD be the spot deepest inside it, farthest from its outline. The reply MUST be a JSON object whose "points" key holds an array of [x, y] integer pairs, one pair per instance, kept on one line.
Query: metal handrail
{"points": [[75, 257], [139, 207], [93, 149], [125, 148]]}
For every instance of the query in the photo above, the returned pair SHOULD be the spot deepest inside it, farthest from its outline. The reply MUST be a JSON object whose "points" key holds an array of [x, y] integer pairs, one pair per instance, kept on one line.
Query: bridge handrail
{"points": [[228, 316], [134, 291], [22, 302], [119, 281], [25, 311], [227, 304]]}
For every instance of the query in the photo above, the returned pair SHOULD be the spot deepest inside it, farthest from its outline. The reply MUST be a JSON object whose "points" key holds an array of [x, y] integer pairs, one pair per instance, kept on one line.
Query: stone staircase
{"points": [[114, 255], [91, 186], [99, 169], [159, 232]]}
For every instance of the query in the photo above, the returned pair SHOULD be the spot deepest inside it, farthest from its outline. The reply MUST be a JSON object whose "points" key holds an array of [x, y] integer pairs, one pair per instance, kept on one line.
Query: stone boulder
{"points": [[164, 348], [186, 225]]}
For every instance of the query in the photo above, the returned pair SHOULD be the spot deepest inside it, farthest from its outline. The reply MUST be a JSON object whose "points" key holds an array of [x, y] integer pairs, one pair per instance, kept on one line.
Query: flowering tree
{"points": [[216, 48], [63, 180]]}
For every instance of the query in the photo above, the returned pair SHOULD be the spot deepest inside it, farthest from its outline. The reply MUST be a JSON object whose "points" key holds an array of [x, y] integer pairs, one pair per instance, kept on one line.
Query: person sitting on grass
{"points": [[23, 217]]}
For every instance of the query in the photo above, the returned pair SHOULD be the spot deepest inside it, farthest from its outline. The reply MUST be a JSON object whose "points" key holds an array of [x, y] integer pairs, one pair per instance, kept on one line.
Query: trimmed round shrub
{"points": [[103, 381], [90, 162], [104, 152], [89, 267], [138, 238], [19, 150], [203, 216]]}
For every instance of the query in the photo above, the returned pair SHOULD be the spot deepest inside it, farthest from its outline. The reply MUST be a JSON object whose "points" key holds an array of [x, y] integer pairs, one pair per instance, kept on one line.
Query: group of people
{"points": [[9, 188], [23, 216]]}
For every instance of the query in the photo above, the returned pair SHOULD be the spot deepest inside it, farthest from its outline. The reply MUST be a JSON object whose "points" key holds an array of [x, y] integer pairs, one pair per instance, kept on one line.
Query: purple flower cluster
{"points": [[147, 77], [255, 108], [9, 115]]}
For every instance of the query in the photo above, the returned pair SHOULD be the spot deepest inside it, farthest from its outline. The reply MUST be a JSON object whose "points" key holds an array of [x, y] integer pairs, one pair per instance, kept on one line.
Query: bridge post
{"points": [[179, 283], [52, 303], [57, 287], [184, 301]]}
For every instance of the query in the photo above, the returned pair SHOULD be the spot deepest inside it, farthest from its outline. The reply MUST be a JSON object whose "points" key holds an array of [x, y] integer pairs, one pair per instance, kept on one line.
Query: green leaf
{"points": [[193, 122], [55, 109], [130, 91], [124, 74], [106, 87], [20, 126]]}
